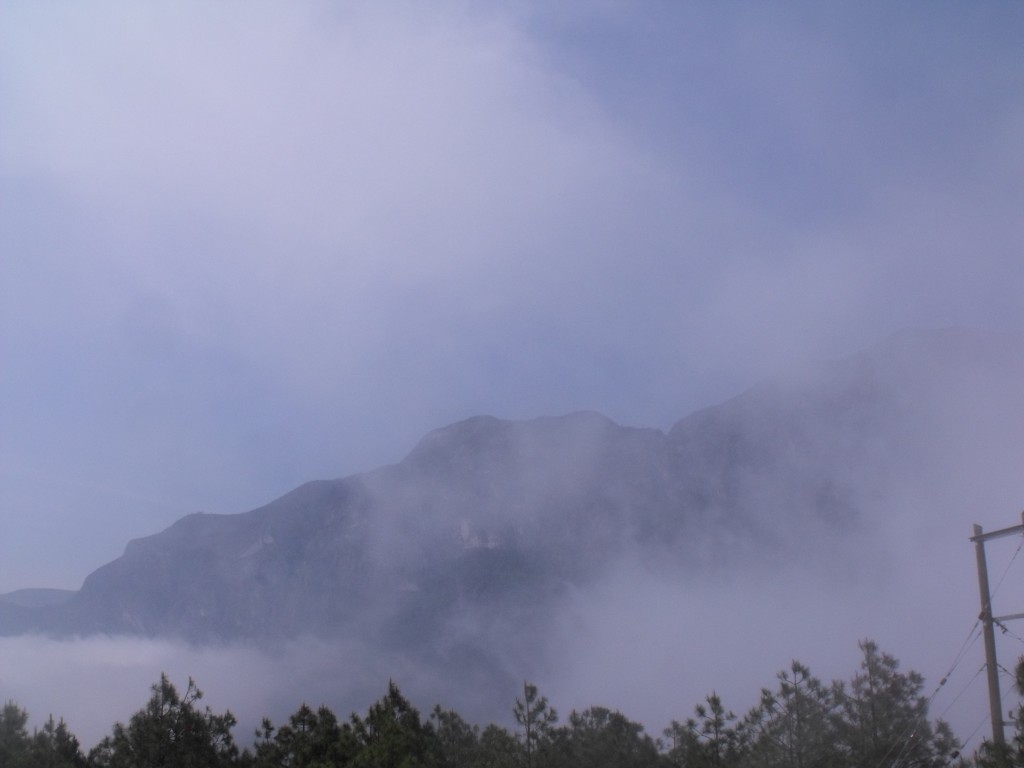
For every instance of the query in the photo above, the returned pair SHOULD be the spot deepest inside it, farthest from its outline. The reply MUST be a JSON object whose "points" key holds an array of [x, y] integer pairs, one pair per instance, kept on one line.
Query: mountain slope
{"points": [[462, 554]]}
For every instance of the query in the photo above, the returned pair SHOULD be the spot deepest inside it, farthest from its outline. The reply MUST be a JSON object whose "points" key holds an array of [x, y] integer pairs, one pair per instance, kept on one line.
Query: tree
{"points": [[794, 725], [536, 718], [708, 741], [1008, 755], [392, 735], [54, 746], [309, 740], [169, 731], [1018, 717], [882, 718], [14, 739], [459, 741], [498, 749], [600, 738]]}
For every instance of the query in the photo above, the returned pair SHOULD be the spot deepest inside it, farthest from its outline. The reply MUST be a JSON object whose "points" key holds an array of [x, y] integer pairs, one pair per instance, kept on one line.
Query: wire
{"points": [[1001, 578], [905, 741], [908, 736], [1006, 672], [988, 719], [969, 641], [1007, 631], [962, 691], [1002, 698], [973, 635], [975, 731], [1009, 688]]}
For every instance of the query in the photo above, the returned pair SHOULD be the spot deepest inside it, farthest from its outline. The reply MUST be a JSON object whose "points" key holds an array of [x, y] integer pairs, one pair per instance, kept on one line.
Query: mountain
{"points": [[34, 598], [461, 555]]}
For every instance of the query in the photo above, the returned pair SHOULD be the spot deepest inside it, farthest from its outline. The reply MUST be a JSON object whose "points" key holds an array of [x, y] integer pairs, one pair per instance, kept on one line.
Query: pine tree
{"points": [[54, 746], [14, 739], [498, 749], [794, 725], [458, 740], [309, 740], [882, 718], [597, 737], [393, 736], [1008, 755], [170, 731], [709, 741], [536, 717]]}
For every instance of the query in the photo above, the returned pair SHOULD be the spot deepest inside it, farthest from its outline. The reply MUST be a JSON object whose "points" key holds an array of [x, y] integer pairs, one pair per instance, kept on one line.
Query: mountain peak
{"points": [[485, 511]]}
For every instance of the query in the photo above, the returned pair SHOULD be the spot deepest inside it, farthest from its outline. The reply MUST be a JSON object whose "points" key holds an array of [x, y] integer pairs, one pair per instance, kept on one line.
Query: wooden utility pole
{"points": [[995, 700]]}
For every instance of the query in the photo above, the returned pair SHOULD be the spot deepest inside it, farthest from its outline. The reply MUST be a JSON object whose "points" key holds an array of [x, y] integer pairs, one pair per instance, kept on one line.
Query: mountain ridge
{"points": [[469, 546]]}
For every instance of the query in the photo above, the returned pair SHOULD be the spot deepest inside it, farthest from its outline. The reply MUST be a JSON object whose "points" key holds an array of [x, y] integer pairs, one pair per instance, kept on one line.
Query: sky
{"points": [[248, 245]]}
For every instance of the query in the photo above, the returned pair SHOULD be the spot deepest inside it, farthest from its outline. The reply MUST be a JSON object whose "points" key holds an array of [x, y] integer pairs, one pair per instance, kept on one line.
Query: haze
{"points": [[243, 246]]}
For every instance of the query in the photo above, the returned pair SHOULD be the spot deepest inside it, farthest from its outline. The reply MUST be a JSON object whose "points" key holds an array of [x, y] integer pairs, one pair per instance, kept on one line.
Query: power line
{"points": [[1007, 631], [972, 637], [985, 719], [962, 691], [1008, 566], [975, 731]]}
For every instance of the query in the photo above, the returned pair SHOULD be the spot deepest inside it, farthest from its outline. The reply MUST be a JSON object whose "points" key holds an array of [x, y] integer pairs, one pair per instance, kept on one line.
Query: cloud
{"points": [[327, 198], [97, 681], [652, 639], [640, 642], [250, 246], [287, 232], [103, 680]]}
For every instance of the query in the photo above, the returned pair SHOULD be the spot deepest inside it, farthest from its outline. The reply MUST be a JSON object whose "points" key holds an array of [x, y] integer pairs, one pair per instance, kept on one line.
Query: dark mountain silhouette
{"points": [[460, 554], [32, 598]]}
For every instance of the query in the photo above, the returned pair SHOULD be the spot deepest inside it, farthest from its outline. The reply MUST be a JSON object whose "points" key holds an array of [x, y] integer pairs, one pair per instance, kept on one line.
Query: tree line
{"points": [[877, 718]]}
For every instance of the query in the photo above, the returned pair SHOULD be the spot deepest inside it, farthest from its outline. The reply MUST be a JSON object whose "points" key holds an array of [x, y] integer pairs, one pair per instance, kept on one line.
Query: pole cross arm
{"points": [[979, 537]]}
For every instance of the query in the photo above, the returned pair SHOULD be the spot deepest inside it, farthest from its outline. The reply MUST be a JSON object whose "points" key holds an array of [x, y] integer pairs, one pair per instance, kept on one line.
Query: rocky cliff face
{"points": [[463, 551]]}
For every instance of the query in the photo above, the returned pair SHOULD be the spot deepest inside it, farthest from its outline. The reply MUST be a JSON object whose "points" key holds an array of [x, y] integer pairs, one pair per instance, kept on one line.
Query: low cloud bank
{"points": [[638, 642]]}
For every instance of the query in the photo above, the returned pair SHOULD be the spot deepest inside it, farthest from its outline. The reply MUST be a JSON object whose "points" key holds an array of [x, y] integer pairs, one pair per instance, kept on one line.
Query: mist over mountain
{"points": [[464, 560]]}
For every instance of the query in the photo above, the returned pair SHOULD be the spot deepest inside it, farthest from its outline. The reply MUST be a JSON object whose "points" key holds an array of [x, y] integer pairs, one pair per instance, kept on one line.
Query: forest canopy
{"points": [[879, 717]]}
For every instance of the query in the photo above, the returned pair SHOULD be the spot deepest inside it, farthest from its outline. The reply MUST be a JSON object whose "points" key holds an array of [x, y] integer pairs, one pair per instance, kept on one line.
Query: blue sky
{"points": [[246, 245]]}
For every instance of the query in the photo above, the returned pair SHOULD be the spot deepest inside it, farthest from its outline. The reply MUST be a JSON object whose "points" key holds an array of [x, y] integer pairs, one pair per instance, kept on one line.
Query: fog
{"points": [[245, 246], [637, 642], [249, 246], [647, 638]]}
